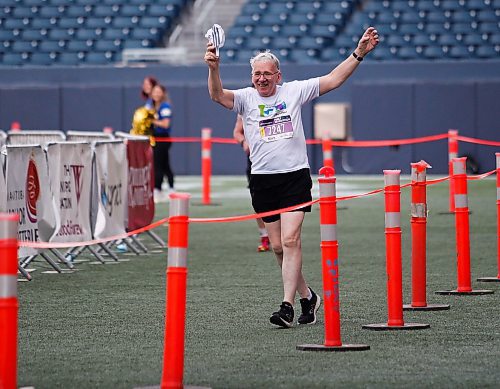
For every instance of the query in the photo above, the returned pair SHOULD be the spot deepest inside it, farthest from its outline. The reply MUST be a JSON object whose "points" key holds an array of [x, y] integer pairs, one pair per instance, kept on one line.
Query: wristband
{"points": [[358, 57]]}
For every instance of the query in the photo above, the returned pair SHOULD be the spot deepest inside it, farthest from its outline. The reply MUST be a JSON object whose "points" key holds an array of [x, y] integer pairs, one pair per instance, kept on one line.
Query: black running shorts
{"points": [[275, 191]]}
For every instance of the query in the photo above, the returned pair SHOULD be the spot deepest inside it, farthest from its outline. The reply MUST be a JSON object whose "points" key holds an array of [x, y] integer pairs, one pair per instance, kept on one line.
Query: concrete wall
{"points": [[388, 101]]}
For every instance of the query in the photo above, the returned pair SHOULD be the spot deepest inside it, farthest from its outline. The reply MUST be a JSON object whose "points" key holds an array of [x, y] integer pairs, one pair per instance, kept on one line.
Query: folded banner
{"points": [[70, 166], [26, 173], [141, 207], [109, 187]]}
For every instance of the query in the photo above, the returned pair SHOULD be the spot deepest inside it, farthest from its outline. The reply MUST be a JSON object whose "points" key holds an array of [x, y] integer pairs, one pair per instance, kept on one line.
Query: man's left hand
{"points": [[368, 41]]}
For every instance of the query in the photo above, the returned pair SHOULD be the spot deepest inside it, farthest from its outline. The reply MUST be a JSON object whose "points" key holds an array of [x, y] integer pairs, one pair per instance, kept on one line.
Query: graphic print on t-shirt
{"points": [[276, 126]]}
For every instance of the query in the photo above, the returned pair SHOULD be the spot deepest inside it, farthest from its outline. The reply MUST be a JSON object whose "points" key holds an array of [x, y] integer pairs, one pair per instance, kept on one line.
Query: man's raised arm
{"points": [[342, 72], [217, 93]]}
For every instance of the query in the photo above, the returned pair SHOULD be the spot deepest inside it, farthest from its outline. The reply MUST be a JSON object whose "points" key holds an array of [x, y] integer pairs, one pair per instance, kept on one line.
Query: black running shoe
{"points": [[309, 309], [284, 317]]}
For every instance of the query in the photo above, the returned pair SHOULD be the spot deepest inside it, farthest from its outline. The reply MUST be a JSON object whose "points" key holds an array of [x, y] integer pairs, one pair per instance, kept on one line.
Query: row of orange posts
{"points": [[173, 363]]}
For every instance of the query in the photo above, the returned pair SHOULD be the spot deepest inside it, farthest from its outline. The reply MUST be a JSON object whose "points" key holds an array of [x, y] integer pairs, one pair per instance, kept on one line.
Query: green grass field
{"points": [[102, 325]]}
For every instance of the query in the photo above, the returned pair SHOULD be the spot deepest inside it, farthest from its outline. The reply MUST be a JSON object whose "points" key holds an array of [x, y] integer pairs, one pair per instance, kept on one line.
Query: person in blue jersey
{"points": [[162, 129], [280, 177], [148, 84]]}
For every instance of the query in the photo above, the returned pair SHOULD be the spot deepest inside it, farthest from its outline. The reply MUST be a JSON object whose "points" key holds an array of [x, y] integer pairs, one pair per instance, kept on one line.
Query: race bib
{"points": [[276, 128]]}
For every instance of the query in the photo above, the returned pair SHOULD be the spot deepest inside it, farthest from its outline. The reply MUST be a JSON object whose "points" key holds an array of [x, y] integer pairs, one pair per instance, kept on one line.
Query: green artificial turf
{"points": [[102, 326]]}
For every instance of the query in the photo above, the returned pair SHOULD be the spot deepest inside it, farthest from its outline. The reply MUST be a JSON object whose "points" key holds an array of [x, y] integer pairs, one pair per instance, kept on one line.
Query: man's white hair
{"points": [[265, 56]]}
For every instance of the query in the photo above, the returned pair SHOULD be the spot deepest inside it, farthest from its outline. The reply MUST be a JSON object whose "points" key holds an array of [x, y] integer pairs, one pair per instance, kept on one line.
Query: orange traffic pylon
{"points": [[497, 278], [392, 192], [175, 314], [464, 286], [419, 241], [8, 300], [330, 266]]}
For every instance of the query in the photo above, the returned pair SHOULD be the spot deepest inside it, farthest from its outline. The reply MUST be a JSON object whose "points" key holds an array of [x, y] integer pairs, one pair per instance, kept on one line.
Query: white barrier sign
{"points": [[26, 173], [109, 202], [70, 166]]}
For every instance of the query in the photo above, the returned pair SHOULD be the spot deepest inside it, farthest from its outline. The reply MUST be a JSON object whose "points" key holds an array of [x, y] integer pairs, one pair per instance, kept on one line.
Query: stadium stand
{"points": [[46, 32], [409, 29], [79, 32]]}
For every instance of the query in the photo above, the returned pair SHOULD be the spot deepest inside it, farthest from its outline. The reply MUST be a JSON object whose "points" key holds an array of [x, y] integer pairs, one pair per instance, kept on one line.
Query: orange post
{"points": [[419, 240], [497, 278], [394, 268], [330, 266], [452, 153], [175, 315], [206, 163], [8, 300], [327, 153], [462, 231]]}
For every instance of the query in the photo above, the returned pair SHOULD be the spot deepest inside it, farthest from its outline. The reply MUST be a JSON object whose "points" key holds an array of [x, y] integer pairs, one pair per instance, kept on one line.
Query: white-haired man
{"points": [[280, 175]]}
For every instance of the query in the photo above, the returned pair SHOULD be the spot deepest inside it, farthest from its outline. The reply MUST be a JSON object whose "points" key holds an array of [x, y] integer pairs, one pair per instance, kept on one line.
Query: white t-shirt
{"points": [[273, 125]]}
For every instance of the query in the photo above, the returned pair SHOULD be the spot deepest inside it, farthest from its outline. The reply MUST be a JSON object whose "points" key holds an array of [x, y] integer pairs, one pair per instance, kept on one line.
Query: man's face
{"points": [[265, 77]]}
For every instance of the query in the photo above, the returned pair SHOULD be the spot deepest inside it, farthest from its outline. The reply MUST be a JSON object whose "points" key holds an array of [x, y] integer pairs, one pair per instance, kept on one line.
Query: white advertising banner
{"points": [[25, 174], [70, 166], [109, 200]]}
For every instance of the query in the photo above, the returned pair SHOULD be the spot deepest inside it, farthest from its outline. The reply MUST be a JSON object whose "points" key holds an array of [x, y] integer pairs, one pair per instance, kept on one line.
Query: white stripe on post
{"points": [[328, 232], [392, 219], [8, 286], [461, 201]]}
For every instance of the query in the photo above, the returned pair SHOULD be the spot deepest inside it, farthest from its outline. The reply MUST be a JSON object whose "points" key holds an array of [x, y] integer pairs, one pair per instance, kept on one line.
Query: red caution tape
{"points": [[478, 141], [381, 143], [230, 219]]}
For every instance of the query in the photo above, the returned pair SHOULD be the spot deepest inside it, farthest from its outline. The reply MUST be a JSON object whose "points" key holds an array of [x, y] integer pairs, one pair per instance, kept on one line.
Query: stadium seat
{"points": [[163, 10], [61, 33], [13, 24], [460, 52], [79, 45], [78, 10], [424, 40], [452, 5], [88, 33], [261, 31], [281, 42], [277, 8], [19, 46], [474, 40], [51, 45], [70, 58], [270, 19], [125, 22], [408, 52], [433, 52], [331, 54], [133, 10], [488, 16], [489, 27], [447, 39], [487, 52], [495, 39], [14, 59], [98, 22], [32, 34], [116, 33], [478, 5], [67, 22], [45, 23], [51, 11], [310, 42], [255, 43], [303, 56], [145, 33], [313, 7], [103, 10], [154, 22], [383, 53], [98, 58], [42, 59], [323, 30], [294, 30], [136, 43], [108, 45]]}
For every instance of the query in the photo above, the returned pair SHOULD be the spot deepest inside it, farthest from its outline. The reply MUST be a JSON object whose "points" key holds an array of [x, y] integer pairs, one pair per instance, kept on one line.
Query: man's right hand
{"points": [[210, 58]]}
